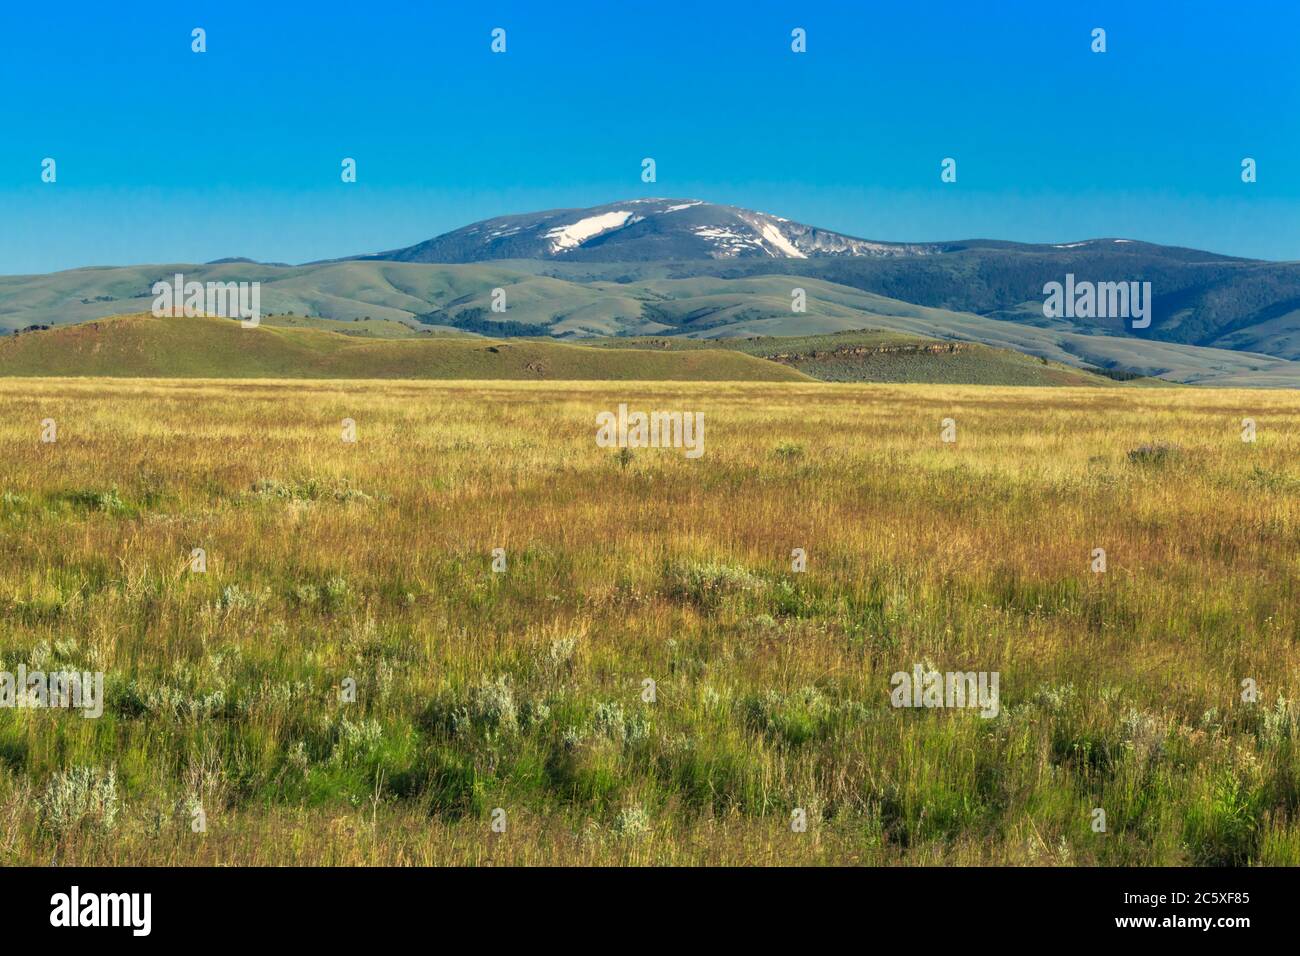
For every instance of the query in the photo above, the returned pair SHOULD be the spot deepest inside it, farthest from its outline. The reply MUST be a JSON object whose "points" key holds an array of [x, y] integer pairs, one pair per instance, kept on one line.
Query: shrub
{"points": [[487, 710], [707, 583], [108, 501], [1154, 453], [78, 797], [632, 822]]}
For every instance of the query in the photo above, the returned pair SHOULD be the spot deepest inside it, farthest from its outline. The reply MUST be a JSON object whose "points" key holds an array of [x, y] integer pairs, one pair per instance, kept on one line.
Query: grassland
{"points": [[145, 346], [313, 347], [870, 355], [522, 690], [364, 327]]}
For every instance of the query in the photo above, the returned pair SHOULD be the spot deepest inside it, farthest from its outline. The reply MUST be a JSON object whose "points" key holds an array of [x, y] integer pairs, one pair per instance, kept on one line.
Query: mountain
{"points": [[1198, 298], [644, 230], [695, 269]]}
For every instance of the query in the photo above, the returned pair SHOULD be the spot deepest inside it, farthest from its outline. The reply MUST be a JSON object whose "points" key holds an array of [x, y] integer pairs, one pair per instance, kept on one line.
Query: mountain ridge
{"points": [[638, 230]]}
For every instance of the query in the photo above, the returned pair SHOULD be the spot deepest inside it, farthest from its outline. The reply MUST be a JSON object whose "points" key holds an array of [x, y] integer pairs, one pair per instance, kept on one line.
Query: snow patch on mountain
{"points": [[726, 244], [774, 236], [670, 229], [575, 234]]}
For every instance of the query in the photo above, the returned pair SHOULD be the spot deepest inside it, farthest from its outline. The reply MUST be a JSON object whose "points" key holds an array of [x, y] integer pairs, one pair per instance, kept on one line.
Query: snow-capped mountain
{"points": [[638, 230]]}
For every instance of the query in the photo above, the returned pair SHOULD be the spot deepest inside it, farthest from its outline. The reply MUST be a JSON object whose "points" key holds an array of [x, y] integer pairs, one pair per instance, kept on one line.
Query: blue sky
{"points": [[169, 156]]}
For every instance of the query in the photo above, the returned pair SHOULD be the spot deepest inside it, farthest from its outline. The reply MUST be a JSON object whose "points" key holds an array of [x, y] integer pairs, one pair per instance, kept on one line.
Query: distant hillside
{"points": [[695, 269], [597, 270], [574, 301], [297, 347], [144, 346], [873, 356], [1199, 298]]}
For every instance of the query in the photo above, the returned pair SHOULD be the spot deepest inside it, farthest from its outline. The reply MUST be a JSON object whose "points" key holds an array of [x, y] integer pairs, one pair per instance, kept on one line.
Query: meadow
{"points": [[349, 681]]}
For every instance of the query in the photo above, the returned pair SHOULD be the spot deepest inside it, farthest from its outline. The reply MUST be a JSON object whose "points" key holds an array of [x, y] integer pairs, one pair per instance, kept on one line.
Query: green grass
{"points": [[330, 561], [313, 347], [880, 356], [145, 346], [371, 328]]}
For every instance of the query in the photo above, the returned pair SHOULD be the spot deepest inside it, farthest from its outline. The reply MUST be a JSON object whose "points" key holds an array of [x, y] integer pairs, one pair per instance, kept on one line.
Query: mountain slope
{"points": [[1199, 298]]}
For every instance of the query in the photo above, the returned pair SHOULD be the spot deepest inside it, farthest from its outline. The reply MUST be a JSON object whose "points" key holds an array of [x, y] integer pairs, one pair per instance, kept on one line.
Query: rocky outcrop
{"points": [[861, 351]]}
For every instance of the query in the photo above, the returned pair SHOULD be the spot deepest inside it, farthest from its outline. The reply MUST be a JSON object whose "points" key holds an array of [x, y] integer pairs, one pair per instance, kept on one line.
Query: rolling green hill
{"points": [[363, 327], [145, 346], [876, 356], [298, 347]]}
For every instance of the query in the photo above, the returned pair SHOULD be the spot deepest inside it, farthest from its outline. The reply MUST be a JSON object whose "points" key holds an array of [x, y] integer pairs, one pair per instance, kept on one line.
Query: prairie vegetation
{"points": [[149, 347], [876, 356], [371, 562], [301, 347]]}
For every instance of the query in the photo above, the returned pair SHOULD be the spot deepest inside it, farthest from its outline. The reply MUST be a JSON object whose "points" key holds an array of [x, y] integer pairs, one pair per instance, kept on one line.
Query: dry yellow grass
{"points": [[522, 690]]}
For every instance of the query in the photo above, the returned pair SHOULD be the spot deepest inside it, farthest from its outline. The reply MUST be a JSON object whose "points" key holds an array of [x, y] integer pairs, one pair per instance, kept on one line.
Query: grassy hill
{"points": [[879, 356], [364, 327], [301, 347], [145, 346]]}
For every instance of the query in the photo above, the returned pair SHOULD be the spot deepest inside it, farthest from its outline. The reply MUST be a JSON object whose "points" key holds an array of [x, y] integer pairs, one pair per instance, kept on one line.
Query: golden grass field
{"points": [[522, 690]]}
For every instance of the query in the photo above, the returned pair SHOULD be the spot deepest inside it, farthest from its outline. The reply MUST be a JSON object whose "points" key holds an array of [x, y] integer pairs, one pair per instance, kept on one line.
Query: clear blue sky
{"points": [[169, 156]]}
